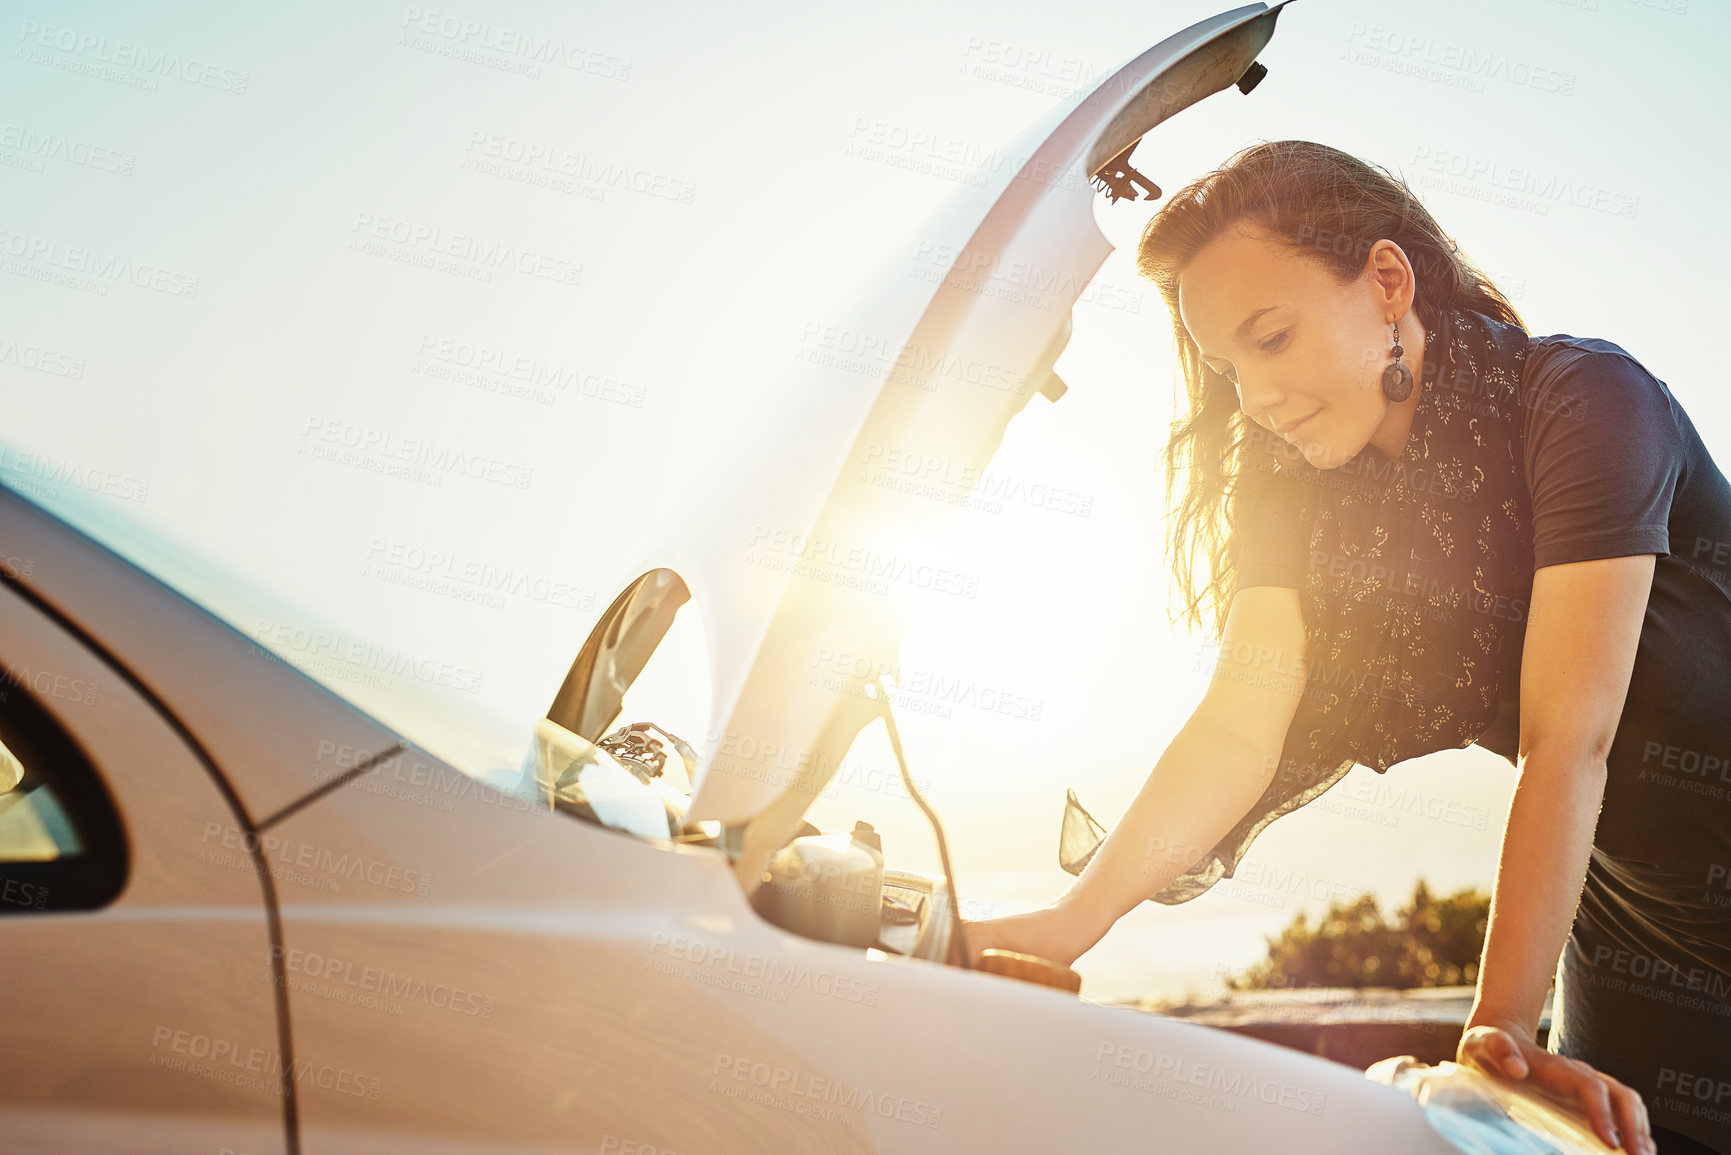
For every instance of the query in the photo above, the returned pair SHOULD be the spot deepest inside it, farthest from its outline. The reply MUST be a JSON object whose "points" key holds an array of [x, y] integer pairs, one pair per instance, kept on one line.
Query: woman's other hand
{"points": [[1053, 933], [1617, 1114]]}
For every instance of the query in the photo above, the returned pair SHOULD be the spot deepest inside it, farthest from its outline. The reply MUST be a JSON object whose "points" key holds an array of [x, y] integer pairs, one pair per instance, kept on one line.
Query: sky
{"points": [[238, 279]]}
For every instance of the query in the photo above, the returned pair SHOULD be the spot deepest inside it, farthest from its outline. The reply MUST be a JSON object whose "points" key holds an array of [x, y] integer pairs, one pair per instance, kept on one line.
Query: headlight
{"points": [[1483, 1115]]}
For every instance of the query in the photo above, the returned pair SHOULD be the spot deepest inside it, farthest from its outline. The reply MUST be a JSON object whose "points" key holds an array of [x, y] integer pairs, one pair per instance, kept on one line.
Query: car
{"points": [[244, 915]]}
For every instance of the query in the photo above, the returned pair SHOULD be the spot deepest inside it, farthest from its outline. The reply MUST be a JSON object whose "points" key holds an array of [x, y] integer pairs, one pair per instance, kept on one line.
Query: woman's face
{"points": [[1305, 352]]}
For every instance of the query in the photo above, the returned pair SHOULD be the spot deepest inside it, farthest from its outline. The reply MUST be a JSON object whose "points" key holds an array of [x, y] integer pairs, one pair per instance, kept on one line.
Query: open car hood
{"points": [[793, 556]]}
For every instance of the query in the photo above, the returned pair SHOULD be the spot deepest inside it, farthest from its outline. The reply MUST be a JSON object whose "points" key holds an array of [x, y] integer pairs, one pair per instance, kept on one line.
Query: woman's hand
{"points": [[1053, 933], [1616, 1111]]}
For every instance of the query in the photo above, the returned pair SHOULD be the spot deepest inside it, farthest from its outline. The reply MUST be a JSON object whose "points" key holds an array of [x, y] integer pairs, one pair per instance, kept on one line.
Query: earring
{"points": [[1397, 378]]}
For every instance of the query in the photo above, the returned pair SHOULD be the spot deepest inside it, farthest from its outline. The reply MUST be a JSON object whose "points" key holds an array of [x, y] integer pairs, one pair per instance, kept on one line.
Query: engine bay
{"points": [[831, 887]]}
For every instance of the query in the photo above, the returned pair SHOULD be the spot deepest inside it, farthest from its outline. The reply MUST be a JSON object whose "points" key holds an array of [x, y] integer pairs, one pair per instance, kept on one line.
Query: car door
{"points": [[138, 1010]]}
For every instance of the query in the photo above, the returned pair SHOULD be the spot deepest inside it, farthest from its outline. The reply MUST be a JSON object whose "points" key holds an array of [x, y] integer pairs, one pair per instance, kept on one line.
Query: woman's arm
{"points": [[1582, 632], [1209, 776]]}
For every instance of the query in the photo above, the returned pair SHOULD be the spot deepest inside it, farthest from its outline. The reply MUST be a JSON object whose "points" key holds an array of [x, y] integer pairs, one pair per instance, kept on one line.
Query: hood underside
{"points": [[791, 554]]}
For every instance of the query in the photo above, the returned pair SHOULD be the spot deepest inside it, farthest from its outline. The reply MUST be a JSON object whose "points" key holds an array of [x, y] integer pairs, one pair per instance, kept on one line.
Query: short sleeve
{"points": [[1604, 452], [1270, 536]]}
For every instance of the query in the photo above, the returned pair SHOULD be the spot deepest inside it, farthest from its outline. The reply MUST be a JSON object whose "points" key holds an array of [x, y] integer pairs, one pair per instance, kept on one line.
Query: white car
{"points": [[244, 916]]}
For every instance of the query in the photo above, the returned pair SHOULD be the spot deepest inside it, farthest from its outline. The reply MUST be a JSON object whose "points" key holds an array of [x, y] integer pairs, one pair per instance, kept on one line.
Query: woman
{"points": [[1422, 528]]}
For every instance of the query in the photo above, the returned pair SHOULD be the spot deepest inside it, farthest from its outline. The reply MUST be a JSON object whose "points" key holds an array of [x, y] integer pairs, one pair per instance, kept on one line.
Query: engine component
{"points": [[827, 887], [1029, 968], [564, 772]]}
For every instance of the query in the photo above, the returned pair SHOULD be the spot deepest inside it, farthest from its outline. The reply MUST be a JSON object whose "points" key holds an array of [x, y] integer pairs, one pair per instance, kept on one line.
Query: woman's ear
{"points": [[1387, 265]]}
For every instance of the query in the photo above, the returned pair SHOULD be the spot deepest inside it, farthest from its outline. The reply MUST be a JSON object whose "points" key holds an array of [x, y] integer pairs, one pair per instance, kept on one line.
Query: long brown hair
{"points": [[1332, 207]]}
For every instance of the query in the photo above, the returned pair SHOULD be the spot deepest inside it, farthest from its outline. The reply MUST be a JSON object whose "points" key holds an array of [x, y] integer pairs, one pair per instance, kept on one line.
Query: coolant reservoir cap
{"points": [[1029, 968], [863, 832]]}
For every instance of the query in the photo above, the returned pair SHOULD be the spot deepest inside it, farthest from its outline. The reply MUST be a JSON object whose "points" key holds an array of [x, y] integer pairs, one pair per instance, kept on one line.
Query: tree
{"points": [[1433, 942]]}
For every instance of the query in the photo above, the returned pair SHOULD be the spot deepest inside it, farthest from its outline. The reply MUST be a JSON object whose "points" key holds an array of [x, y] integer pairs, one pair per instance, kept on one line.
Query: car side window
{"points": [[61, 843]]}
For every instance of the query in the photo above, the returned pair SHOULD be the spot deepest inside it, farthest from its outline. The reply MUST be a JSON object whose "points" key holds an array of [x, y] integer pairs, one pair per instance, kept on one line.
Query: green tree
{"points": [[1432, 942]]}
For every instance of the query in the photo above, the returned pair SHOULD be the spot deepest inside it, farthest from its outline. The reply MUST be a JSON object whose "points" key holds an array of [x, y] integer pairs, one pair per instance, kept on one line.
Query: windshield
{"points": [[434, 701]]}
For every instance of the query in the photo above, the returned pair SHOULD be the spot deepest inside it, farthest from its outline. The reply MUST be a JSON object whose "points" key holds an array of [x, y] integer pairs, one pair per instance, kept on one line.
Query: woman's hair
{"points": [[1329, 206]]}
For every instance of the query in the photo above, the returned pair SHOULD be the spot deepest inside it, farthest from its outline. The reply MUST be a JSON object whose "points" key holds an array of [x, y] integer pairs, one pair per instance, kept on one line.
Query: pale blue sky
{"points": [[777, 152]]}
